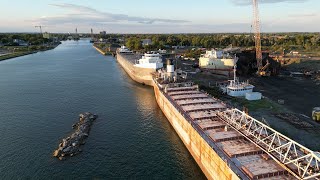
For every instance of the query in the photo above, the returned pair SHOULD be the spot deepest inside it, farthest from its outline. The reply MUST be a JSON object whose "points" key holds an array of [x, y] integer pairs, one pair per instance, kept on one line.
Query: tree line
{"points": [[31, 38], [270, 41], [293, 41]]}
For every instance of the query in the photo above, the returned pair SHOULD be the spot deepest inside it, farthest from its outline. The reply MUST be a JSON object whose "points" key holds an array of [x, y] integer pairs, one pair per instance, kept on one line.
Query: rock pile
{"points": [[294, 120], [70, 146]]}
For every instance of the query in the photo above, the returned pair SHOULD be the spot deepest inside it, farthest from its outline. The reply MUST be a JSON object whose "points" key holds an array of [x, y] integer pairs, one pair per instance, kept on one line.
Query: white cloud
{"points": [[85, 18], [303, 15], [77, 14]]}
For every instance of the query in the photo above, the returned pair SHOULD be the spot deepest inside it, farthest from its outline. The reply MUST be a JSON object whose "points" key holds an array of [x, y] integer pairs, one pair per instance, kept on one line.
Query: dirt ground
{"points": [[300, 95], [310, 138]]}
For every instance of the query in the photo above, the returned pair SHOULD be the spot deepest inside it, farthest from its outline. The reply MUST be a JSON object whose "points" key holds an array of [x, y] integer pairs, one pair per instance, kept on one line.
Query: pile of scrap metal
{"points": [[247, 63]]}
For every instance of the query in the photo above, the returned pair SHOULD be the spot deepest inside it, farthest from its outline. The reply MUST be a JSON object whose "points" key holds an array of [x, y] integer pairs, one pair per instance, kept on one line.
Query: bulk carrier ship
{"points": [[139, 68], [218, 62], [225, 142]]}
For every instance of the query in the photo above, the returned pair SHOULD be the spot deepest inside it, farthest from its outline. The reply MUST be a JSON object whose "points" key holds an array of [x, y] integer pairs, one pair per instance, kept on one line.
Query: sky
{"points": [[151, 16]]}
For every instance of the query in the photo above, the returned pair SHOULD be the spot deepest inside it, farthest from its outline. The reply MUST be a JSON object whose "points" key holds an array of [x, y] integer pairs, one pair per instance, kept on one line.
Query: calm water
{"points": [[41, 96]]}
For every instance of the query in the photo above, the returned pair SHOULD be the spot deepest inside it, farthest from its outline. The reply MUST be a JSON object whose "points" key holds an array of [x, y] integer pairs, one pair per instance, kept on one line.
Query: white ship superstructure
{"points": [[150, 60], [218, 61], [139, 68], [237, 88], [124, 50]]}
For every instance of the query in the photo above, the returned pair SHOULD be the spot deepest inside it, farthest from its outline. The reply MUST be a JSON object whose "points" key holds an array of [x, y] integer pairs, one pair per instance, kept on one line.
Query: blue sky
{"points": [[165, 16]]}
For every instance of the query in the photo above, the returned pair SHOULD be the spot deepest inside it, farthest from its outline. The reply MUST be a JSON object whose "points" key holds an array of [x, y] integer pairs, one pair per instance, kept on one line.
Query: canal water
{"points": [[41, 96]]}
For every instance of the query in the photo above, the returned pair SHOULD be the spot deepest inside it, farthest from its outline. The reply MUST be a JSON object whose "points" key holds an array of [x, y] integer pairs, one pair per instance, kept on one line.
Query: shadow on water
{"points": [[41, 97]]}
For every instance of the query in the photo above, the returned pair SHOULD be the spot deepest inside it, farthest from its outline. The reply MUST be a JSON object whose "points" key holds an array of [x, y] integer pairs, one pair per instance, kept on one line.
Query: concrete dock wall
{"points": [[212, 165], [140, 75], [99, 50]]}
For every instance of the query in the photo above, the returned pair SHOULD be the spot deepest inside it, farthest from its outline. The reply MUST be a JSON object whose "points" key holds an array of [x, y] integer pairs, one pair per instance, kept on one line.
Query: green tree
{"points": [[130, 43], [137, 44]]}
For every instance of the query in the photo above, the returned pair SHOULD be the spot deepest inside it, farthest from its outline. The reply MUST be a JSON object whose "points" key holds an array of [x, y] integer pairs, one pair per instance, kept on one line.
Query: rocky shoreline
{"points": [[70, 145]]}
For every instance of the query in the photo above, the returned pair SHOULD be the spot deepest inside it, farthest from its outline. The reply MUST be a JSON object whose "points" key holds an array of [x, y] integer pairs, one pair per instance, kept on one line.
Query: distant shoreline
{"points": [[19, 54]]}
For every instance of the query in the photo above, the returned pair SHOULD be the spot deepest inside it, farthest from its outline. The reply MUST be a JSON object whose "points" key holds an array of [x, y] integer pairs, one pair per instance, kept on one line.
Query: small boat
{"points": [[236, 88]]}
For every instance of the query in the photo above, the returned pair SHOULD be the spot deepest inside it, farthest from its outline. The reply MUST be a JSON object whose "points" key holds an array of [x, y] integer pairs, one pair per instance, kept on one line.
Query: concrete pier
{"points": [[99, 50]]}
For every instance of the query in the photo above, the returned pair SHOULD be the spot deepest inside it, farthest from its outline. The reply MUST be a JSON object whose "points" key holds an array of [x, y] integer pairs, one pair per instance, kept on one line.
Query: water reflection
{"points": [[153, 118]]}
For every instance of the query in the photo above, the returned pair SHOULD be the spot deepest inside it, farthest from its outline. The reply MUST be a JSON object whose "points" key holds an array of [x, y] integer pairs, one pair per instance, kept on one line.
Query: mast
{"points": [[234, 72], [235, 68]]}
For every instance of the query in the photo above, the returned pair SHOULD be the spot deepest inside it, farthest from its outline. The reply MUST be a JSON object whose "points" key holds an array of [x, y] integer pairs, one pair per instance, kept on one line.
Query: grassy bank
{"points": [[263, 104], [17, 54], [24, 52], [102, 51]]}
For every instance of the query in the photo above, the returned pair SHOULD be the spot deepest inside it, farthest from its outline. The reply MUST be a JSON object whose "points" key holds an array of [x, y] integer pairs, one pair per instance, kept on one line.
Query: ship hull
{"points": [[218, 66], [211, 164], [224, 72], [140, 75]]}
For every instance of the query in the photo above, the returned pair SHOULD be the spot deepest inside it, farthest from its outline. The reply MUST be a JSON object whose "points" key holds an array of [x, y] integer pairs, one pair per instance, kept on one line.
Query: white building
{"points": [[46, 35], [162, 51], [21, 42], [252, 96], [146, 42]]}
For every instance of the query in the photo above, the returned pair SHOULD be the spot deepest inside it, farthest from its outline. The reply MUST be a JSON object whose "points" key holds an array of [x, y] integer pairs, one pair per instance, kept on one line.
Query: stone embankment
{"points": [[100, 50], [70, 146]]}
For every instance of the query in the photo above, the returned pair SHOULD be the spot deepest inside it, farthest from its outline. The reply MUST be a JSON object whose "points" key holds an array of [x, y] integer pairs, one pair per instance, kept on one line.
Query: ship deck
{"points": [[131, 57], [243, 156]]}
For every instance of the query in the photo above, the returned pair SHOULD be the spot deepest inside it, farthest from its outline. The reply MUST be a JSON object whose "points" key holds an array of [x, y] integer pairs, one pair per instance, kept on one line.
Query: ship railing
{"points": [[182, 89], [217, 100], [196, 103], [185, 98], [203, 109], [184, 93], [300, 161]]}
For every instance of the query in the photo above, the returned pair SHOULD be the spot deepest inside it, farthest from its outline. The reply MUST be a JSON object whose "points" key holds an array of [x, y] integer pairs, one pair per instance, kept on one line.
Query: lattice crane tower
{"points": [[257, 35]]}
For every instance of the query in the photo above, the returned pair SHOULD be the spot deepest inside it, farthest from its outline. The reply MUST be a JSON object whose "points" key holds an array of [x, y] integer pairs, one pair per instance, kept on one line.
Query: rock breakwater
{"points": [[70, 145]]}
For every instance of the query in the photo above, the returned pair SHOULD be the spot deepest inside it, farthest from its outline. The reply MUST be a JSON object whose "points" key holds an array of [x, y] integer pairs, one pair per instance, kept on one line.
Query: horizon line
{"points": [[280, 32]]}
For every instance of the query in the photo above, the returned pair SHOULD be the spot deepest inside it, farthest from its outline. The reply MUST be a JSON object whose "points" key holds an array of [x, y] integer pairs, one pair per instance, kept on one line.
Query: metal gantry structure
{"points": [[257, 35], [298, 160], [40, 27]]}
